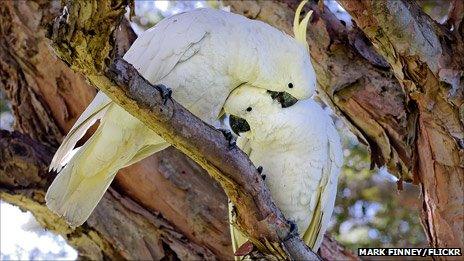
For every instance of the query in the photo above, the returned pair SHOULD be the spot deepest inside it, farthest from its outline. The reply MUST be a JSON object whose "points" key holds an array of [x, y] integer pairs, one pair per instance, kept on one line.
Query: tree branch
{"points": [[88, 53], [190, 200], [410, 115], [403, 33], [24, 179], [353, 79], [455, 16]]}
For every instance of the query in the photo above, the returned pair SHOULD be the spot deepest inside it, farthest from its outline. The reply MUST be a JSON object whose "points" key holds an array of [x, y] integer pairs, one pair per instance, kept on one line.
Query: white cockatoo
{"points": [[202, 55], [299, 153]]}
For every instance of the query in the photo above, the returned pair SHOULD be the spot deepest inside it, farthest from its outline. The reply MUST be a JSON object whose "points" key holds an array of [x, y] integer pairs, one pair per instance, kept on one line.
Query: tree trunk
{"points": [[31, 76], [166, 203], [398, 83], [428, 60], [402, 96]]}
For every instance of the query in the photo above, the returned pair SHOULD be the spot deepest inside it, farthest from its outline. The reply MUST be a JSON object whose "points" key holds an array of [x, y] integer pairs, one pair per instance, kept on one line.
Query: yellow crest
{"points": [[299, 28]]}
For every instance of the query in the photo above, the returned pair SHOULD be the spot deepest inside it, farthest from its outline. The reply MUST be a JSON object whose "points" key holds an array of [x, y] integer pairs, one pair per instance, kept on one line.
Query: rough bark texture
{"points": [[405, 103], [428, 61], [83, 37], [166, 186], [192, 202], [352, 78], [46, 96], [118, 228]]}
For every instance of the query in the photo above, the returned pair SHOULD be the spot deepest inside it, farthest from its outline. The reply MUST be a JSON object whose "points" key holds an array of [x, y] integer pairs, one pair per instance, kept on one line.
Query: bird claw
{"points": [[229, 137], [293, 226], [260, 171], [293, 230], [165, 92]]}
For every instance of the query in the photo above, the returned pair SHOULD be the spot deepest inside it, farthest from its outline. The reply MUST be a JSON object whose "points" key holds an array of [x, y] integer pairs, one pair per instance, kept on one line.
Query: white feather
{"points": [[202, 56], [95, 111], [79, 186], [300, 152]]}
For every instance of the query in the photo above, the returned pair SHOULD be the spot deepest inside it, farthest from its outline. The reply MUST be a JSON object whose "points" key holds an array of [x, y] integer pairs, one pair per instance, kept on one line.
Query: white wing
{"points": [[327, 190], [79, 186], [154, 55], [173, 40], [95, 111]]}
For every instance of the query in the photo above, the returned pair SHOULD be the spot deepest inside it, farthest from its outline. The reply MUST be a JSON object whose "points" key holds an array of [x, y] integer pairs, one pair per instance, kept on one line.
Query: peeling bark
{"points": [[39, 85], [428, 61], [89, 54], [119, 228], [352, 78], [193, 204], [404, 103], [184, 186], [397, 81]]}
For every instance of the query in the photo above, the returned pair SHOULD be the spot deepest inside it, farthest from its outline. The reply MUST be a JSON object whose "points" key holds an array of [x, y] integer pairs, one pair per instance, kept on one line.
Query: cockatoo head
{"points": [[249, 107], [290, 69]]}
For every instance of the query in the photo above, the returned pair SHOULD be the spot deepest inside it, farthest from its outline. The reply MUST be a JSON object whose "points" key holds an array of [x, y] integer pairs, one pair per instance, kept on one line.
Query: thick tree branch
{"points": [[353, 79], [410, 115], [403, 33], [88, 52], [35, 80], [190, 200], [455, 17], [22, 47], [24, 179]]}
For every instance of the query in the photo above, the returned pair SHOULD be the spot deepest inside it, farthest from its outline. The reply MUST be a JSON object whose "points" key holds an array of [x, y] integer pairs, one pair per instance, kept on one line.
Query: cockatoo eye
{"points": [[249, 109], [290, 85]]}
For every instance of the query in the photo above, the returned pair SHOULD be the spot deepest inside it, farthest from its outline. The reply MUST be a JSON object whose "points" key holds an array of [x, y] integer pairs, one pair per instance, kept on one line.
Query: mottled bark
{"points": [[46, 96], [381, 110], [167, 186], [118, 228], [397, 81], [428, 61], [352, 78], [81, 39]]}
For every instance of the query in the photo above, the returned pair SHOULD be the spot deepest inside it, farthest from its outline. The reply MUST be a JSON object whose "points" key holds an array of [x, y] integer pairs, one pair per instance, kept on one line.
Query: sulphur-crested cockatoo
{"points": [[299, 153], [202, 55]]}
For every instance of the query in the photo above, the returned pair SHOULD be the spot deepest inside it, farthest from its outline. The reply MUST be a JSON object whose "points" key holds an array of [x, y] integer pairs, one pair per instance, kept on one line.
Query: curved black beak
{"points": [[238, 124], [284, 98]]}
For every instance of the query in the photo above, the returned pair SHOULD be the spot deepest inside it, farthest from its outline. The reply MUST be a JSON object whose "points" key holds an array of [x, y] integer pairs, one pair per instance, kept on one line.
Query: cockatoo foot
{"points": [[229, 137], [260, 171], [293, 230], [165, 92]]}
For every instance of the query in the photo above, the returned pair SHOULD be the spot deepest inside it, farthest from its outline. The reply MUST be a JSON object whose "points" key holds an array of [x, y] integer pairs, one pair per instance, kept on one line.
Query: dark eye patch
{"points": [[249, 109], [290, 85]]}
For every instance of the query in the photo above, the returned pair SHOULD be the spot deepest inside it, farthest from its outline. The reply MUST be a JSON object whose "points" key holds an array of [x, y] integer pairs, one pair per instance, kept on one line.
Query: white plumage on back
{"points": [[202, 56], [301, 155]]}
